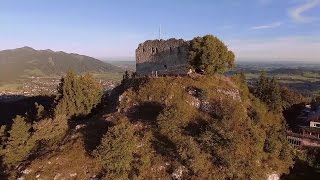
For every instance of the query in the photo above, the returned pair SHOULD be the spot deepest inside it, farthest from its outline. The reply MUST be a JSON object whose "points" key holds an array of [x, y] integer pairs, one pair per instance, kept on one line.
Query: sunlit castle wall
{"points": [[164, 57]]}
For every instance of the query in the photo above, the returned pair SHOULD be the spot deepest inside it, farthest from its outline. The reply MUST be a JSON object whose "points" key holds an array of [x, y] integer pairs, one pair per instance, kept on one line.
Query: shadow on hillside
{"points": [[11, 106], [290, 114], [3, 174], [164, 146], [146, 112], [195, 128], [301, 170], [93, 132], [92, 128], [113, 99]]}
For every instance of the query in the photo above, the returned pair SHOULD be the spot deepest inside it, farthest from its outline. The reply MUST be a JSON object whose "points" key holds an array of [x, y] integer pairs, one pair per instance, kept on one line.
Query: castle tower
{"points": [[167, 57]]}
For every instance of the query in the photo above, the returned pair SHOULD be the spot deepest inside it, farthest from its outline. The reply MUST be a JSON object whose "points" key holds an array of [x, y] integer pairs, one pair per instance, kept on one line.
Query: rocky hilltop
{"points": [[202, 127]]}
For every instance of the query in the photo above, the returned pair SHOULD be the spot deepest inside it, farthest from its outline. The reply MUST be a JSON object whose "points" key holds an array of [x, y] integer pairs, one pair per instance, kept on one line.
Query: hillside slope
{"points": [[25, 62], [171, 128]]}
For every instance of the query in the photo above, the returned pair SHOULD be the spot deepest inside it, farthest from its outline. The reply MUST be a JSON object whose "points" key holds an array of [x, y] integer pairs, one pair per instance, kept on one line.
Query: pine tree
{"points": [[242, 82], [116, 151], [91, 92], [78, 95], [19, 144], [268, 91], [261, 86], [275, 101]]}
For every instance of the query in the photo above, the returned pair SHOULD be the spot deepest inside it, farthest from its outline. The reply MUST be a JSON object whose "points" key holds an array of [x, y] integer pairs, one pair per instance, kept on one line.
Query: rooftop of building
{"points": [[315, 119], [302, 136], [310, 129]]}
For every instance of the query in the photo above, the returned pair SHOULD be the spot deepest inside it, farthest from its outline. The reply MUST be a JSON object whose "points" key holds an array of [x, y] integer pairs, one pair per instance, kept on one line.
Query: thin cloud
{"points": [[297, 13], [267, 26]]}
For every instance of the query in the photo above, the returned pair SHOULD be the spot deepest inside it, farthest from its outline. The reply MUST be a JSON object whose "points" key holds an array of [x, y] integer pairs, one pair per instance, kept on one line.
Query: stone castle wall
{"points": [[164, 56]]}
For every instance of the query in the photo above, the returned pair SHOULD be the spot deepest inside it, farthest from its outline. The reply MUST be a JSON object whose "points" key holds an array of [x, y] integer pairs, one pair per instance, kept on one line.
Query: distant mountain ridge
{"points": [[26, 61]]}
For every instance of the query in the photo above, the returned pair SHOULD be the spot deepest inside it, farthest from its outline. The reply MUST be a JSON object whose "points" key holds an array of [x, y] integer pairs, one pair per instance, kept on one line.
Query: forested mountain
{"points": [[26, 61]]}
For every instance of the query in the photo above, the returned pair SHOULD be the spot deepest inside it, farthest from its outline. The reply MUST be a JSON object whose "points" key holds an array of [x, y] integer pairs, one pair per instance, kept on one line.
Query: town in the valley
{"points": [[35, 86]]}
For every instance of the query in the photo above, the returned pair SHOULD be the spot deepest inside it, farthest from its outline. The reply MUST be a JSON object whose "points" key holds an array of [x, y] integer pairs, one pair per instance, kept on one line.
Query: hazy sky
{"points": [[253, 29]]}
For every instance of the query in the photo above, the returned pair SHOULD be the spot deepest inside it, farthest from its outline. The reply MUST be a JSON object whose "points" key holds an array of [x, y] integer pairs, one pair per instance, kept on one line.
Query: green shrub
{"points": [[50, 130], [272, 143], [116, 151]]}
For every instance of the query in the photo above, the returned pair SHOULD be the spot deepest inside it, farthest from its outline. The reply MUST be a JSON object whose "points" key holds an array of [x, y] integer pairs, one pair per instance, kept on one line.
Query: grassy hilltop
{"points": [[170, 127]]}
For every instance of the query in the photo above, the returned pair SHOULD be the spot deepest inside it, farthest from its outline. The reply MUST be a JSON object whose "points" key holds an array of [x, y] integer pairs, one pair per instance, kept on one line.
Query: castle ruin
{"points": [[162, 57]]}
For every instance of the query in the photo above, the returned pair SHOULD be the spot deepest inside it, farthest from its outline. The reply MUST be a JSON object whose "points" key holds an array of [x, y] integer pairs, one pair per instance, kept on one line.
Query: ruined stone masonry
{"points": [[162, 57]]}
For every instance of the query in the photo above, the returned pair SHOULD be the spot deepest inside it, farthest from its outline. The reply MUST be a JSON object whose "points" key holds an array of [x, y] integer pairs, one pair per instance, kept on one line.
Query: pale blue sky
{"points": [[253, 29]]}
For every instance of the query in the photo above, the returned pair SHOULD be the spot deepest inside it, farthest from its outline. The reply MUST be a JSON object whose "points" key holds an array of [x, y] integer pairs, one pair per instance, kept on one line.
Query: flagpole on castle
{"points": [[160, 32]]}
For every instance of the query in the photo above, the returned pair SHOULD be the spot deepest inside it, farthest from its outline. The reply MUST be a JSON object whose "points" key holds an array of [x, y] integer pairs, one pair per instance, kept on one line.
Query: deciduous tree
{"points": [[210, 55]]}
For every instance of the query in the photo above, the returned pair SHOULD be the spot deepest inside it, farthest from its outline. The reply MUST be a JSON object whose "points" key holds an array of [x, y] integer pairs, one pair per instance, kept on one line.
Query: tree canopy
{"points": [[210, 55], [78, 95], [116, 151], [19, 144], [268, 90]]}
